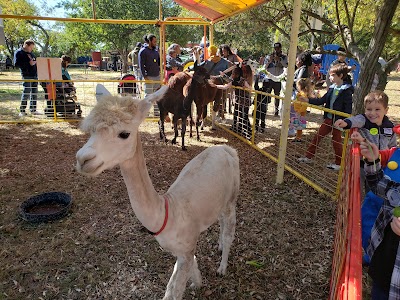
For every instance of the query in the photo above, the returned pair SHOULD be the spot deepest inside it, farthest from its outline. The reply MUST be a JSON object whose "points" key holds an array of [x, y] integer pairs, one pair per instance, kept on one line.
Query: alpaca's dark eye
{"points": [[124, 135]]}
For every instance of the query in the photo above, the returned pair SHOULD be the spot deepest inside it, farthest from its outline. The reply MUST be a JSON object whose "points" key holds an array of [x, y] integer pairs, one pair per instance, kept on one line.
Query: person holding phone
{"points": [[25, 60], [275, 63]]}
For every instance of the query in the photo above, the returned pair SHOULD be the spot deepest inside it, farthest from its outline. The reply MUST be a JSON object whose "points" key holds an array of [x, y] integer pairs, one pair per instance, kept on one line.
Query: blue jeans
{"points": [[30, 92], [378, 293]]}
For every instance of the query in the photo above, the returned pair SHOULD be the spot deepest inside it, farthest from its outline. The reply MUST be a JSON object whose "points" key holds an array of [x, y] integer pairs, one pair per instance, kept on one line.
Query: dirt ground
{"points": [[282, 248]]}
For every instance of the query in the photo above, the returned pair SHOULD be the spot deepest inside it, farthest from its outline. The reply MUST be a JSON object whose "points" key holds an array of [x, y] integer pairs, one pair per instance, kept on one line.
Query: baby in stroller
{"points": [[63, 95]]}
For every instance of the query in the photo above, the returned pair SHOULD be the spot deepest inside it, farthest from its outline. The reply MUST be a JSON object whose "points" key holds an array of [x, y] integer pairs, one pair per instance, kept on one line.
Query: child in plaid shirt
{"points": [[384, 247]]}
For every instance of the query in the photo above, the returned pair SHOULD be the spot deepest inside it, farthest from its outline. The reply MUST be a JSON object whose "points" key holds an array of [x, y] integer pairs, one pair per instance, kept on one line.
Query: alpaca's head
{"points": [[113, 127]]}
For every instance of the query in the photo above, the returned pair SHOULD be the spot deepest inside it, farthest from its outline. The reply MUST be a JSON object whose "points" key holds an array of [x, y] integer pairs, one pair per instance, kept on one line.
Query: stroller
{"points": [[64, 98], [128, 87]]}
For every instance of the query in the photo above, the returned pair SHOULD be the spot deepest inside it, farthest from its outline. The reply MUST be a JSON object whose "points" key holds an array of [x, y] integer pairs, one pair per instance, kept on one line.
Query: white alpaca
{"points": [[205, 190]]}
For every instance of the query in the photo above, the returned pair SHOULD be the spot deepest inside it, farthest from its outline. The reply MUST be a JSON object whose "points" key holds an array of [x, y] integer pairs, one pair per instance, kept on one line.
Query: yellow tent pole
{"points": [[211, 35], [105, 21], [289, 87], [161, 45], [162, 52], [205, 42]]}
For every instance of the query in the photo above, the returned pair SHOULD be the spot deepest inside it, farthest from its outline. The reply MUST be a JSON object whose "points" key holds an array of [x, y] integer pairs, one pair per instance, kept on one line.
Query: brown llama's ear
{"points": [[101, 91]]}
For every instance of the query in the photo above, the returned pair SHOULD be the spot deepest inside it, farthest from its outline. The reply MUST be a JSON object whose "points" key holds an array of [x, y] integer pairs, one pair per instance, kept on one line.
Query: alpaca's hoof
{"points": [[173, 142], [194, 285], [213, 128], [184, 148], [221, 270]]}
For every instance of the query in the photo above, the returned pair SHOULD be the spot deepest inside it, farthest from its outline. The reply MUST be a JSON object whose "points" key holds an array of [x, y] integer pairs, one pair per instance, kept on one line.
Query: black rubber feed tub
{"points": [[46, 207]]}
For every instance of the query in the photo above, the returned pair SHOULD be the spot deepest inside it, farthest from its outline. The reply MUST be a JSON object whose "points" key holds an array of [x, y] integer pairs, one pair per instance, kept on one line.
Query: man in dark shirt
{"points": [[25, 60], [149, 63]]}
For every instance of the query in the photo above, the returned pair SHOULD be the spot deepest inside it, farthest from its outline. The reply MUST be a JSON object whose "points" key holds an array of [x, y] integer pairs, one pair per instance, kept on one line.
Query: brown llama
{"points": [[201, 92], [174, 101]]}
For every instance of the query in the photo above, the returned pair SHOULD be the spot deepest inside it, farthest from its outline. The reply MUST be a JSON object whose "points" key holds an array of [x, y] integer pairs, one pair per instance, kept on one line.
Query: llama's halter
{"points": [[165, 217]]}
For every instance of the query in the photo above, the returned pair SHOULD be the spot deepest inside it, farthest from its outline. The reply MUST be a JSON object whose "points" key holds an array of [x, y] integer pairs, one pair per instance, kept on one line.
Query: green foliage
{"points": [[272, 22], [17, 31]]}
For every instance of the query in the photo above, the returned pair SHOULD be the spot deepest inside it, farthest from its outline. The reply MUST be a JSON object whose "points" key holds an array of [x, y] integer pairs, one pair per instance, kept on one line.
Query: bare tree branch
{"points": [[355, 12], [322, 19], [310, 30], [349, 34], [316, 31], [352, 46], [44, 47], [349, 21]]}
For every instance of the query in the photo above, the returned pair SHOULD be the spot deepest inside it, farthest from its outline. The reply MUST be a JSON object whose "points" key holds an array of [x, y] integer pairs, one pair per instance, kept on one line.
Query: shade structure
{"points": [[216, 10]]}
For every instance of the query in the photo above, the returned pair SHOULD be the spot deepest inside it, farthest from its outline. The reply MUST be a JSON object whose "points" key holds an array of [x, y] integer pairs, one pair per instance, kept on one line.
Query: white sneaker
{"points": [[334, 167], [305, 160], [36, 113], [22, 114]]}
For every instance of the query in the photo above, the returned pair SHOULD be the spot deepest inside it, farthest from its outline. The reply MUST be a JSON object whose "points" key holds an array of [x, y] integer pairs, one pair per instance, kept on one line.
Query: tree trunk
{"points": [[368, 62], [124, 59]]}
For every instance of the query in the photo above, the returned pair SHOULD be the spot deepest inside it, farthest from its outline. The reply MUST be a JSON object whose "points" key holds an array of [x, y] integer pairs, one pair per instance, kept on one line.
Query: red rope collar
{"points": [[165, 218]]}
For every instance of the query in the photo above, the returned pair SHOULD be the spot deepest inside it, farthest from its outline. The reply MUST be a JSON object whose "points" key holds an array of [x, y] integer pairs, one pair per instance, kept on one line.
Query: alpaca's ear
{"points": [[157, 95], [151, 99], [101, 91]]}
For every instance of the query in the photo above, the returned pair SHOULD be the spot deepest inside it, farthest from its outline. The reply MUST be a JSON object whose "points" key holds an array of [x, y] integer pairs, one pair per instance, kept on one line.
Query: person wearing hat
{"points": [[133, 56], [341, 59], [215, 63], [275, 63]]}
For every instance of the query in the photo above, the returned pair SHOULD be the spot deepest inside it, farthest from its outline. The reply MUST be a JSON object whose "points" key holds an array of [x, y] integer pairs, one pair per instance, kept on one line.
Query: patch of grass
{"points": [[10, 91]]}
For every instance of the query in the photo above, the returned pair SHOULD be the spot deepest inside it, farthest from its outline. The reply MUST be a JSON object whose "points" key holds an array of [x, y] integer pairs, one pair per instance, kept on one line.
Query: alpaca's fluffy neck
{"points": [[146, 203]]}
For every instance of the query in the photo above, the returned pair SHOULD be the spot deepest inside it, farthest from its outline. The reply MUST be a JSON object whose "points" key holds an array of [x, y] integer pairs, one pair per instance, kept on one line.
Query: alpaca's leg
{"points": [[196, 275], [198, 123], [183, 132], [202, 113], [175, 120], [177, 283], [161, 128], [221, 231], [191, 119], [171, 284], [213, 114], [227, 236]]}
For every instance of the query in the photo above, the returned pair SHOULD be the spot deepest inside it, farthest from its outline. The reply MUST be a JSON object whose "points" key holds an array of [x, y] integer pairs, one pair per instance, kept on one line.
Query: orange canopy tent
{"points": [[217, 10]]}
